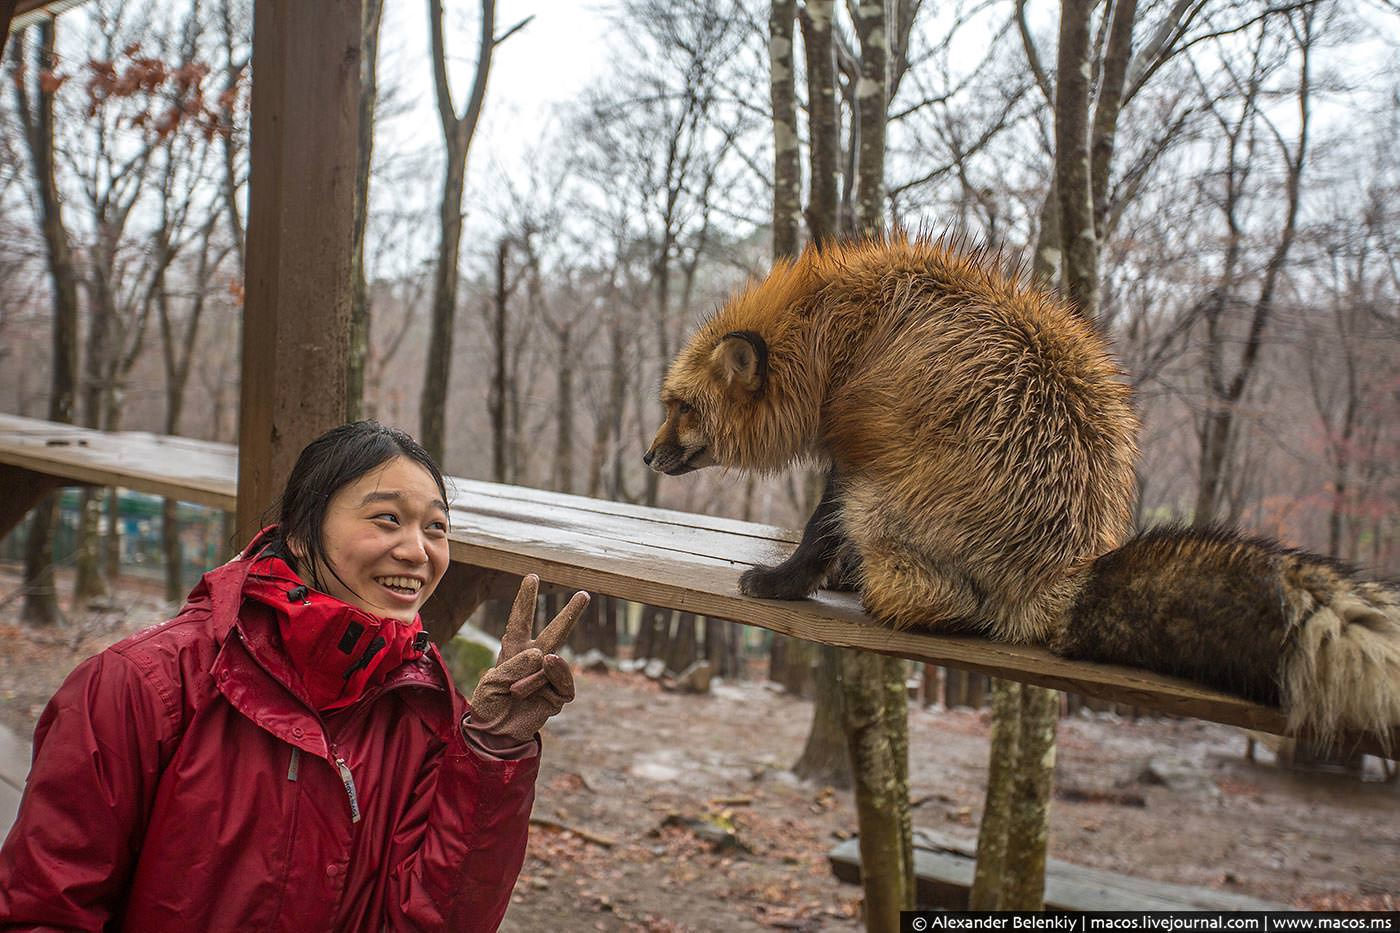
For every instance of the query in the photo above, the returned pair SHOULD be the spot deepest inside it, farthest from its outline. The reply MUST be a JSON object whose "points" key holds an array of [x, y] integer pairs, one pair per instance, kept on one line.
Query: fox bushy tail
{"points": [[1250, 617]]}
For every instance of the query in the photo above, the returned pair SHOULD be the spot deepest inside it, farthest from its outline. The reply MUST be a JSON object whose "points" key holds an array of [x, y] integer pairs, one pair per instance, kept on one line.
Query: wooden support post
{"points": [[24, 489], [7, 13], [296, 316]]}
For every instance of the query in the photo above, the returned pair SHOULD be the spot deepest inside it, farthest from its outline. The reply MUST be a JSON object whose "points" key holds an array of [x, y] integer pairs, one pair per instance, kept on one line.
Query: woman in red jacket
{"points": [[288, 753]]}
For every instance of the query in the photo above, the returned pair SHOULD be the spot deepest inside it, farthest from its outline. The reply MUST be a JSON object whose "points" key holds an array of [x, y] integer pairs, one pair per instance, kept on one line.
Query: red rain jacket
{"points": [[181, 782]]}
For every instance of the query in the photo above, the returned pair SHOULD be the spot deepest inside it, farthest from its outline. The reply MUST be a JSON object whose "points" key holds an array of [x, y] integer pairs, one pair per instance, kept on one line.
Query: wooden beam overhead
{"points": [[296, 317], [17, 14]]}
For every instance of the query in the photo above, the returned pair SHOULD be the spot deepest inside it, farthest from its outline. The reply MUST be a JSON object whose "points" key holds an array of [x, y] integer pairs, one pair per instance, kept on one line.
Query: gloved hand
{"points": [[529, 683]]}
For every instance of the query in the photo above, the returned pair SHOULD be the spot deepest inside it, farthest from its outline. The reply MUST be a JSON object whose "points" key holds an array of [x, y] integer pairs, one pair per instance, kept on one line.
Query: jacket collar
{"points": [[254, 673]]}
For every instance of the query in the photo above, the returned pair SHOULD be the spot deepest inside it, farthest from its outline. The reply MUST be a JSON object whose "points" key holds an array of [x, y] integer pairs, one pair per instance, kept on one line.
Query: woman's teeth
{"points": [[405, 585]]}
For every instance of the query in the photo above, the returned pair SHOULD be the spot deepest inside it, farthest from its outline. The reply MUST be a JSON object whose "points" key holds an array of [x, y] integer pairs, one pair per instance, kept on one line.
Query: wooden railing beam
{"points": [[677, 560], [23, 489]]}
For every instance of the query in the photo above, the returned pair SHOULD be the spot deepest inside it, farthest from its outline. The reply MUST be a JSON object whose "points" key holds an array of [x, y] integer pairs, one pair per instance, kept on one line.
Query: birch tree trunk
{"points": [[872, 96], [1078, 243], [824, 129], [873, 686], [1028, 827], [823, 758], [989, 876], [787, 167], [882, 791]]}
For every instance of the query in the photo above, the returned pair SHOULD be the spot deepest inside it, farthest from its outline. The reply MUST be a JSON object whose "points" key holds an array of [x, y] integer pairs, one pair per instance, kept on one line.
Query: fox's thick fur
{"points": [[981, 442]]}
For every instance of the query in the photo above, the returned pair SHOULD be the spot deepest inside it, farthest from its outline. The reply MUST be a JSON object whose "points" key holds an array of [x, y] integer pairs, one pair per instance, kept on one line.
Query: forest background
{"points": [[1213, 182], [1250, 254]]}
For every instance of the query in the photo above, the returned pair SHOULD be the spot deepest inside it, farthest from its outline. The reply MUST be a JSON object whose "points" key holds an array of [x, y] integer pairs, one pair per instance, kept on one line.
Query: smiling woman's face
{"points": [[386, 536]]}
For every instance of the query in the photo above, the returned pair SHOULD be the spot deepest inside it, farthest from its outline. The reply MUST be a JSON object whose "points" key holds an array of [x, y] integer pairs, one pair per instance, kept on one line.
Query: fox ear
{"points": [[740, 360]]}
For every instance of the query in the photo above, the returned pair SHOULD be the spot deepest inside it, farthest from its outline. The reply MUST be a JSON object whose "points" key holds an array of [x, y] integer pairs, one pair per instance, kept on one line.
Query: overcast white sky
{"points": [[544, 64]]}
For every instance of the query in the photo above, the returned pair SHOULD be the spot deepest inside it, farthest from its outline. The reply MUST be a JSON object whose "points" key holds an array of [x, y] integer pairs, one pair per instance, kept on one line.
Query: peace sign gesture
{"points": [[530, 682]]}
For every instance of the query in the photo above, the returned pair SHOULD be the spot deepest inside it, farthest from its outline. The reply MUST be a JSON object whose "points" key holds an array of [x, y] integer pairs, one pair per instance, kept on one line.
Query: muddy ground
{"points": [[628, 768]]}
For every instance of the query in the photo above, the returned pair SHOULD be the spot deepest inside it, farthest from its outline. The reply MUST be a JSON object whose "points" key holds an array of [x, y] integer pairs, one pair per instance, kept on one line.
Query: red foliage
{"points": [[157, 97], [51, 81]]}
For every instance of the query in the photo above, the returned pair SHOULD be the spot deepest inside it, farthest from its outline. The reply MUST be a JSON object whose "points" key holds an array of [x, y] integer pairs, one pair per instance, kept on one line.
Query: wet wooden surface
{"points": [[657, 556]]}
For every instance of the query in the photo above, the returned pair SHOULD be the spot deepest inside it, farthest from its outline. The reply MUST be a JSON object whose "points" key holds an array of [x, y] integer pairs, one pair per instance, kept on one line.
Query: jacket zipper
{"points": [[348, 780], [294, 768]]}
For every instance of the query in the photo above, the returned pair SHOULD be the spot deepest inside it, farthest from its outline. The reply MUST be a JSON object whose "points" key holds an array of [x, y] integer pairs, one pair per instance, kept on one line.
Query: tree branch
{"points": [[1032, 54]]}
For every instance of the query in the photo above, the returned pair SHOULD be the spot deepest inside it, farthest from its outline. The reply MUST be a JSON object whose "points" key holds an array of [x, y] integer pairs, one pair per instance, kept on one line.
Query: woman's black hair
{"points": [[335, 459]]}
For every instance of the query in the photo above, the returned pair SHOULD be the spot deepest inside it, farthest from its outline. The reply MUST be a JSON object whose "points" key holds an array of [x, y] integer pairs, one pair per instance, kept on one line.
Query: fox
{"points": [[980, 447]]}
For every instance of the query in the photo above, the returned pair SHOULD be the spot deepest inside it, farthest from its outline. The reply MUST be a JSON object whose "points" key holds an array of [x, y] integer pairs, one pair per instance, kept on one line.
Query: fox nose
{"points": [[649, 456]]}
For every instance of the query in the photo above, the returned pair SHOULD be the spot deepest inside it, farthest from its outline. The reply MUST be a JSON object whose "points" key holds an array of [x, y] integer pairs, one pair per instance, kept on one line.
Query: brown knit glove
{"points": [[529, 683]]}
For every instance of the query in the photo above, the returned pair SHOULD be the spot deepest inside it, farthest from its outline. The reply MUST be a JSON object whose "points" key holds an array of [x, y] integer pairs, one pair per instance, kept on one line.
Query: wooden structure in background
{"points": [[16, 14], [664, 558]]}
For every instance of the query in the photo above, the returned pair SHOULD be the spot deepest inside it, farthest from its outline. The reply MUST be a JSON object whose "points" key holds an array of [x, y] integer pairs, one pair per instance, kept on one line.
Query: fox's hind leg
{"points": [[823, 541], [903, 589], [907, 578]]}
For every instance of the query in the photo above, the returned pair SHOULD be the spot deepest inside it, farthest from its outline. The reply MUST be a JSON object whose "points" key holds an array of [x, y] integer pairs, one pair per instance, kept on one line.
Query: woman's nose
{"points": [[411, 547]]}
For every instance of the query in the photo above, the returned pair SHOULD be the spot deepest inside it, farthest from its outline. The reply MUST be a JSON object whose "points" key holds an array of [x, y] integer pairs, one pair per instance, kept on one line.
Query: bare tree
{"points": [[372, 15], [1225, 388], [873, 693], [457, 132], [823, 119], [787, 168], [662, 137], [234, 19], [825, 755], [498, 400], [35, 83], [989, 877]]}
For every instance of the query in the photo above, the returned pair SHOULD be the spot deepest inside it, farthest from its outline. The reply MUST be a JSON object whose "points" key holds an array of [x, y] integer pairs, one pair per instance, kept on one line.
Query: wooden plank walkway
{"points": [[665, 558], [944, 868]]}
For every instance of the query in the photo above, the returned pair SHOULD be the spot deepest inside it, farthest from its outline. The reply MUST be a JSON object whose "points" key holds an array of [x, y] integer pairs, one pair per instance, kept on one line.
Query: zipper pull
{"points": [[294, 768], [349, 781]]}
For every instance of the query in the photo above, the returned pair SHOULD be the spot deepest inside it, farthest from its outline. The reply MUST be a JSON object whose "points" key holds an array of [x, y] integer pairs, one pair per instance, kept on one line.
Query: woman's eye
{"points": [[386, 517], [439, 526]]}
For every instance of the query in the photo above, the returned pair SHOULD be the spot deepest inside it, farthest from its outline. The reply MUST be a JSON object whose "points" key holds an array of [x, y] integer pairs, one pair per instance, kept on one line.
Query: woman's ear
{"points": [[297, 548]]}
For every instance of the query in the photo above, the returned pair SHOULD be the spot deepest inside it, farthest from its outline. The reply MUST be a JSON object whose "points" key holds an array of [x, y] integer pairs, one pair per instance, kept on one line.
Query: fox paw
{"points": [[774, 583]]}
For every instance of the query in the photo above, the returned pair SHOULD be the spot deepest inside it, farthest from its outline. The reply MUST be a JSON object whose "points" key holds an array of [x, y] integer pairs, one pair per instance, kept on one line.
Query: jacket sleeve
{"points": [[458, 851], [97, 758]]}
